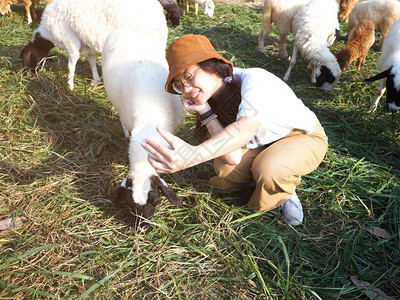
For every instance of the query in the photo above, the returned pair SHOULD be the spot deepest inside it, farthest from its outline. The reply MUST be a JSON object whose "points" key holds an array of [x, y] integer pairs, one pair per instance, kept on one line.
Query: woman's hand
{"points": [[180, 156], [189, 105]]}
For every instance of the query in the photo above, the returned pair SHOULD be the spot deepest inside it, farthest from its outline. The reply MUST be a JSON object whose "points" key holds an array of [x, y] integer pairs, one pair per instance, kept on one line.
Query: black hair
{"points": [[226, 106]]}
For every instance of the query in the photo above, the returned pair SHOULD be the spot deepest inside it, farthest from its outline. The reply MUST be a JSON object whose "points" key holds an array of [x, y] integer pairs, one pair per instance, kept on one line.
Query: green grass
{"points": [[63, 156]]}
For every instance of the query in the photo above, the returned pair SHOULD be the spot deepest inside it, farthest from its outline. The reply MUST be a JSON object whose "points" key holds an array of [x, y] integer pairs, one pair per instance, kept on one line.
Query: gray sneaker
{"points": [[292, 210]]}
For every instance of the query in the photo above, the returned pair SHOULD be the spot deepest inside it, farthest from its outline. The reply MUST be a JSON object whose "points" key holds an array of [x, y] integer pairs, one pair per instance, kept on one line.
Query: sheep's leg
{"points": [[28, 11], [283, 30], [265, 29], [291, 64], [72, 60], [282, 46], [33, 11], [381, 90], [360, 62], [261, 42], [311, 66], [93, 67], [196, 8]]}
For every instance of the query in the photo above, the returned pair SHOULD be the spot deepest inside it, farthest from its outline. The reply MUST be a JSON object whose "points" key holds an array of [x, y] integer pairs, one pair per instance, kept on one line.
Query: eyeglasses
{"points": [[186, 80]]}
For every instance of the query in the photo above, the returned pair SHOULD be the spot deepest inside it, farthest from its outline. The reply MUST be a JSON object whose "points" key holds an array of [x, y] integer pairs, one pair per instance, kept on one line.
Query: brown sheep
{"points": [[29, 5], [345, 7], [360, 40]]}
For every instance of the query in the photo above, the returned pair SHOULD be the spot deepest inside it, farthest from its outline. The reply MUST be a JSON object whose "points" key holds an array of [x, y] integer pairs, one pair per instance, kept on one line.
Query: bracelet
{"points": [[208, 120], [204, 116]]}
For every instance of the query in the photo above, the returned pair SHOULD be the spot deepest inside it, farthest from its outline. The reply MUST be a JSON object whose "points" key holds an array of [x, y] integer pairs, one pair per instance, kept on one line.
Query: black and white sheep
{"points": [[360, 40], [281, 13], [314, 30], [134, 74], [389, 64], [81, 27], [383, 13]]}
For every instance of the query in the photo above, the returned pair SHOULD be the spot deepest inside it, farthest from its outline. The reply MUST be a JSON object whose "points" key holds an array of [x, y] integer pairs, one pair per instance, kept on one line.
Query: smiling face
{"points": [[200, 85]]}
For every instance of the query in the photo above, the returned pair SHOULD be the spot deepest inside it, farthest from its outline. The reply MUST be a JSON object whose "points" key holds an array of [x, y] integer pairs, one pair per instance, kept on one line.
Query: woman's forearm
{"points": [[226, 142], [214, 128]]}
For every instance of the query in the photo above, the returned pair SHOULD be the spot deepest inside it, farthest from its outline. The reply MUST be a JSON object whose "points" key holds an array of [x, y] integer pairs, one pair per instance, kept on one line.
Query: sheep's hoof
{"points": [[94, 82]]}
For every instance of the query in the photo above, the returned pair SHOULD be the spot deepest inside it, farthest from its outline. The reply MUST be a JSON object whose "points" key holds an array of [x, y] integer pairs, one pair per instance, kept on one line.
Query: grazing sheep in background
{"points": [[389, 64], [207, 6], [81, 27], [281, 13], [383, 13], [29, 5], [360, 40], [314, 31], [134, 72], [174, 12], [345, 7]]}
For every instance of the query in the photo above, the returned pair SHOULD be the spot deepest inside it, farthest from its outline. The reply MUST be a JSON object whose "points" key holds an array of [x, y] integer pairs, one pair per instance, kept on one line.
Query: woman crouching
{"points": [[259, 131]]}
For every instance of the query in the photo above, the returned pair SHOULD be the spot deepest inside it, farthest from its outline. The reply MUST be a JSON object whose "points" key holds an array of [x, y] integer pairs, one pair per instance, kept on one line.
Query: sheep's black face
{"points": [[34, 51], [392, 94], [139, 213], [325, 76]]}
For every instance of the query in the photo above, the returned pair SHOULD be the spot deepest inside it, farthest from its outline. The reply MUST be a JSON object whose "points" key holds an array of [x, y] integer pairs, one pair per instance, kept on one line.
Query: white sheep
{"points": [[360, 40], [5, 7], [81, 27], [281, 13], [389, 65], [314, 31], [134, 73], [207, 6], [383, 13]]}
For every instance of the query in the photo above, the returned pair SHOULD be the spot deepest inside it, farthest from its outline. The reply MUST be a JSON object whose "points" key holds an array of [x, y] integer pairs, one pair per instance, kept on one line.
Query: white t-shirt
{"points": [[272, 102]]}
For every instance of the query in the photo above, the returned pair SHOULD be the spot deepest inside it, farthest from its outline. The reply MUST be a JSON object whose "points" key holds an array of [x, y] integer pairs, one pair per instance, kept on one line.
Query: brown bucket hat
{"points": [[188, 50]]}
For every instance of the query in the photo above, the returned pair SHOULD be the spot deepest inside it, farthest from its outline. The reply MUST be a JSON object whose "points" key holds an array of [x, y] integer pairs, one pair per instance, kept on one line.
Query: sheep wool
{"points": [[81, 27], [281, 13], [134, 72], [345, 7], [314, 31], [360, 40]]}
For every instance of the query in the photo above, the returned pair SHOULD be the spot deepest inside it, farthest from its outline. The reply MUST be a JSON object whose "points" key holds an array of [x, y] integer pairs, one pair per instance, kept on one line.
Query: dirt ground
{"points": [[250, 3]]}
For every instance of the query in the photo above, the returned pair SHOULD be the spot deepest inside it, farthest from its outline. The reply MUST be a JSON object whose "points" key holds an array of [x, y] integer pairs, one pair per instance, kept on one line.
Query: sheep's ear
{"points": [[25, 55], [168, 193], [124, 194], [347, 66], [379, 76]]}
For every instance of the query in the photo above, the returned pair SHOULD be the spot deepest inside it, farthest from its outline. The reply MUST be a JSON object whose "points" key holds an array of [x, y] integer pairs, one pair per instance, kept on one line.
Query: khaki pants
{"points": [[276, 168]]}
